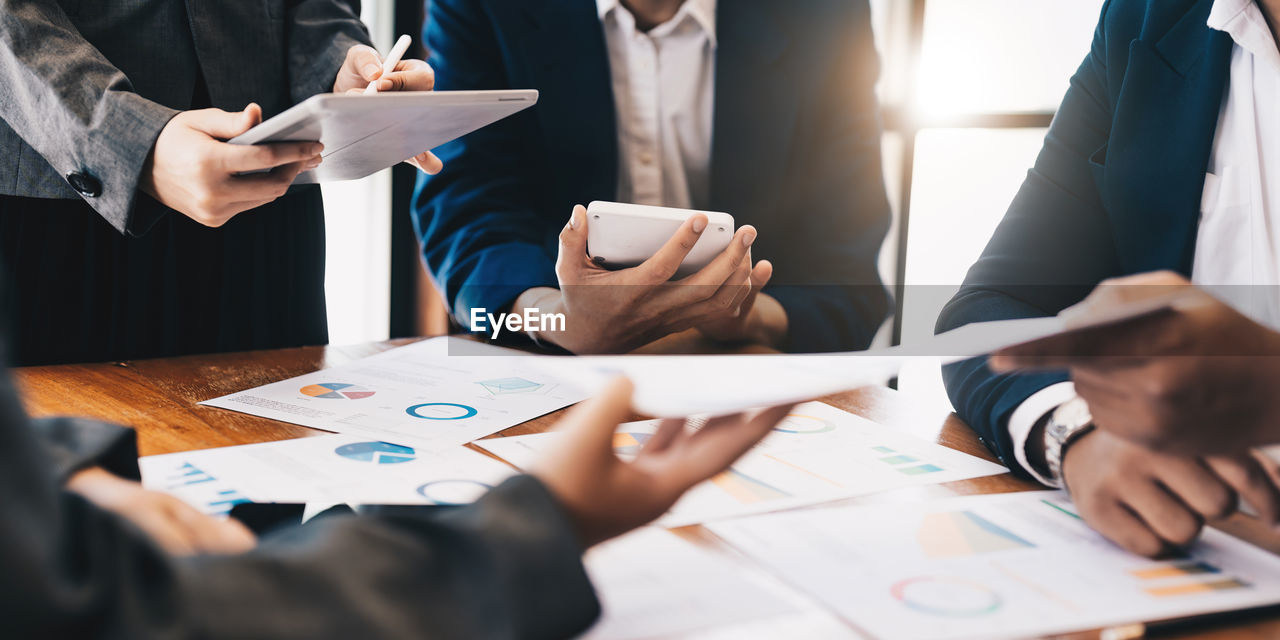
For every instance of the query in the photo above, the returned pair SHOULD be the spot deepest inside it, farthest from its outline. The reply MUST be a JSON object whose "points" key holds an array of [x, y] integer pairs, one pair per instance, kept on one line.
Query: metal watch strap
{"points": [[1068, 423]]}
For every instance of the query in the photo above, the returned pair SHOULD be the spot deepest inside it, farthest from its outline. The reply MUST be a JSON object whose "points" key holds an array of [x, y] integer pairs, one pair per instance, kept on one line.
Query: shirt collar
{"points": [[702, 11], [1244, 22]]}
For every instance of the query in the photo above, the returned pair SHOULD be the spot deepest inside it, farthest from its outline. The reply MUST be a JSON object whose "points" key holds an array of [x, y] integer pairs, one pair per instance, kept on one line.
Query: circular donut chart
{"points": [[947, 596], [453, 492], [442, 411], [801, 424], [336, 391]]}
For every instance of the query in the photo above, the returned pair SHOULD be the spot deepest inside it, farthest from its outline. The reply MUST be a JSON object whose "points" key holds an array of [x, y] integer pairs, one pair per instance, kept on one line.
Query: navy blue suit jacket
{"points": [[796, 152], [1116, 189]]}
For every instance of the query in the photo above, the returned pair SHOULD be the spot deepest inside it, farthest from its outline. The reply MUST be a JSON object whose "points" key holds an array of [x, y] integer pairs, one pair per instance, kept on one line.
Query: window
{"points": [[968, 88], [358, 228]]}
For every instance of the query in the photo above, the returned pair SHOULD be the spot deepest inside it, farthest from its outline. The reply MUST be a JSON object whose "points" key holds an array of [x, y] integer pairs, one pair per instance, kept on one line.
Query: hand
{"points": [[617, 311], [191, 169], [1200, 378], [606, 497], [1152, 503], [363, 66], [760, 319], [173, 524]]}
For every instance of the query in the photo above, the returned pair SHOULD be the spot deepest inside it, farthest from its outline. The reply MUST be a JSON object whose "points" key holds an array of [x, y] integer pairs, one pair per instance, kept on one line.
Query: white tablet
{"points": [[364, 134]]}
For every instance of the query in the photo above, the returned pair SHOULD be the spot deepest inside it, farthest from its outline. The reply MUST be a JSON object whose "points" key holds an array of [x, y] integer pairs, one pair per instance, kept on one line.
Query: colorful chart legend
{"points": [[336, 391], [505, 386]]}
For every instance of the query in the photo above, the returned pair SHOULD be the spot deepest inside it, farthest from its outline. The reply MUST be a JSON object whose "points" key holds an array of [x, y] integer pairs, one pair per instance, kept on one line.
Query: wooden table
{"points": [[159, 398]]}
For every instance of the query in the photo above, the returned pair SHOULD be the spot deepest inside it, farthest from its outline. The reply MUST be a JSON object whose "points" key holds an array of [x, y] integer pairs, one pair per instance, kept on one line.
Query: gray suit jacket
{"points": [[89, 84]]}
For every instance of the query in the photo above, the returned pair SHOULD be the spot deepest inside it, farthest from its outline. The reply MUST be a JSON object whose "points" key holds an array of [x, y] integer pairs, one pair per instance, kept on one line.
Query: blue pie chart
{"points": [[441, 411], [376, 452]]}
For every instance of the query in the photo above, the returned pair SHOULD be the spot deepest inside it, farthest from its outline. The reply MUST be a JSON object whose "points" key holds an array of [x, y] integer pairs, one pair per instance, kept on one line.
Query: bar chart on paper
{"points": [[817, 453], [421, 395], [999, 566]]}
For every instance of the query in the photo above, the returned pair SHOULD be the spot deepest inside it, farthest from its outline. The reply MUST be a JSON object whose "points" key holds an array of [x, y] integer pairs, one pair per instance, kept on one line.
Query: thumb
{"points": [[761, 274], [225, 125], [589, 427], [366, 62], [573, 242]]}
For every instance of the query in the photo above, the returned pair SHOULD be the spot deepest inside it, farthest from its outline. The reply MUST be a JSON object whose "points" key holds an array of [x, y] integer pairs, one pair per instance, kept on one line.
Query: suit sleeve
{"points": [[66, 100], [1053, 246], [319, 34], [829, 282], [483, 241], [506, 567]]}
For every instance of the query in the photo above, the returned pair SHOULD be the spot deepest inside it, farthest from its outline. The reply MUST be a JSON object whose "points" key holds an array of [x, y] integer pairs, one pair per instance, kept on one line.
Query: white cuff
{"points": [[1030, 412]]}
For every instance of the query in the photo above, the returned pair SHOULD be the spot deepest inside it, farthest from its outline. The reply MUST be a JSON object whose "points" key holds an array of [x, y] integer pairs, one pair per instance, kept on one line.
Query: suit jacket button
{"points": [[87, 185]]}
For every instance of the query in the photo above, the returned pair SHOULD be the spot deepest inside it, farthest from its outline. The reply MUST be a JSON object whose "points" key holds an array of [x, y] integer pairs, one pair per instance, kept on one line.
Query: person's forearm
{"points": [[74, 107]]}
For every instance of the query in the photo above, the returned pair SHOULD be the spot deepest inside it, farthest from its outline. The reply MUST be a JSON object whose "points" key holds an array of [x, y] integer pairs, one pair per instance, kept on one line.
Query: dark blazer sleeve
{"points": [[483, 240], [75, 444], [1053, 246], [505, 567], [319, 33], [77, 110], [829, 278]]}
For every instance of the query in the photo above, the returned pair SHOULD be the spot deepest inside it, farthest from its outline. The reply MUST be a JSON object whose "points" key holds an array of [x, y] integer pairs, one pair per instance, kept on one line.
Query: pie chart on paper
{"points": [[336, 391], [376, 452]]}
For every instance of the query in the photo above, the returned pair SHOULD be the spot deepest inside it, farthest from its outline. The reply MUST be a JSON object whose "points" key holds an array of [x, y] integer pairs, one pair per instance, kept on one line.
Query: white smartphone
{"points": [[621, 236]]}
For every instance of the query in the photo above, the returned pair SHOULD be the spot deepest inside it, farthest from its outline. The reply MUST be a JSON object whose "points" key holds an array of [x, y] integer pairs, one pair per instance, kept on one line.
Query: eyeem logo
{"points": [[531, 320]]}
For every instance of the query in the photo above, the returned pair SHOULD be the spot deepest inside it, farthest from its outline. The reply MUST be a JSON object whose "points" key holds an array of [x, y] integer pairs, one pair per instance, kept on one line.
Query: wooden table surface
{"points": [[159, 398]]}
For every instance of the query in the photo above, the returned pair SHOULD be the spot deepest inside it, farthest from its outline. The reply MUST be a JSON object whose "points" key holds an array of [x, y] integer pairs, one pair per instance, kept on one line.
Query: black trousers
{"points": [[80, 291]]}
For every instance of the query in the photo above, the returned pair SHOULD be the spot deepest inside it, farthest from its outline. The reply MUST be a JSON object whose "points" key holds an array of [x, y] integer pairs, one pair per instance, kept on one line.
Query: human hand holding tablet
{"points": [[364, 134]]}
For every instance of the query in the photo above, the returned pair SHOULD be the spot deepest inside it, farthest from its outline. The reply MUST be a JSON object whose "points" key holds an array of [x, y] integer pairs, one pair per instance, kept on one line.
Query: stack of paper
{"points": [[426, 395], [818, 453]]}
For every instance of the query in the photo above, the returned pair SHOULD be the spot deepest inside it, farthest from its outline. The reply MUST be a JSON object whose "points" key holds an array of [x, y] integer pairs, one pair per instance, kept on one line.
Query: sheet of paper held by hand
{"points": [[677, 386]]}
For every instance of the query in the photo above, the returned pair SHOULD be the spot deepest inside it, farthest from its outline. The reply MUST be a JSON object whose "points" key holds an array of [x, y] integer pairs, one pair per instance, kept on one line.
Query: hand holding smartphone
{"points": [[622, 236]]}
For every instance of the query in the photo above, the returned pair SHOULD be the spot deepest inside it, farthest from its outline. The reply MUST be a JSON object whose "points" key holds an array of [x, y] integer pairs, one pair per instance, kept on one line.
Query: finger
{"points": [[408, 77], [261, 186], [225, 125], [165, 531], [662, 266], [245, 158], [1119, 524], [589, 427], [1122, 291], [1251, 482], [366, 62], [1164, 513], [725, 267], [1112, 345], [723, 302], [669, 430], [427, 163], [215, 536], [572, 257], [1199, 487], [721, 442]]}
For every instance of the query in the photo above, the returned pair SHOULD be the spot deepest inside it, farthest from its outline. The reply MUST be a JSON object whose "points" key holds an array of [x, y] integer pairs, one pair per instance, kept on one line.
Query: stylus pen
{"points": [[393, 59]]}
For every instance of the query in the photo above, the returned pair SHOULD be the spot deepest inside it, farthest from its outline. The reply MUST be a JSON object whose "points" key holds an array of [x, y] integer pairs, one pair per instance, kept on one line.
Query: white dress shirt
{"points": [[664, 91], [1237, 256]]}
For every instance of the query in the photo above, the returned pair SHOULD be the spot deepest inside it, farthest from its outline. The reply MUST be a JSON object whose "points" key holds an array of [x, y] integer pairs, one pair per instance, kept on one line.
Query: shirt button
{"points": [[646, 158], [85, 184]]}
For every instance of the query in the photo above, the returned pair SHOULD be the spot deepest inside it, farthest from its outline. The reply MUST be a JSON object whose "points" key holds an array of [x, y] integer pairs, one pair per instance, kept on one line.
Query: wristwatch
{"points": [[1068, 423]]}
